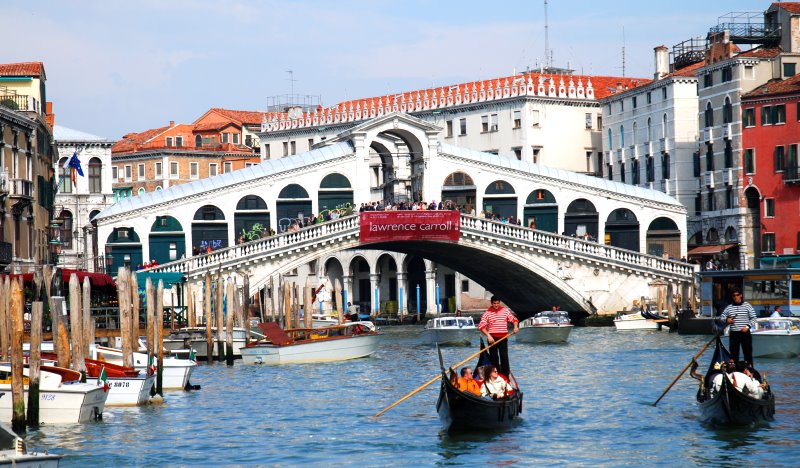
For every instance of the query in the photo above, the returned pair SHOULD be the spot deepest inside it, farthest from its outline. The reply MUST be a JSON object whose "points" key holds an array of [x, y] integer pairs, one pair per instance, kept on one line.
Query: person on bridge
{"points": [[494, 324], [742, 318]]}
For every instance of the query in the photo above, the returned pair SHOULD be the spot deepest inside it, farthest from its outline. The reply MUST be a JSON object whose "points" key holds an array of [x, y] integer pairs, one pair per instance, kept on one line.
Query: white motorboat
{"points": [[14, 453], [63, 398], [775, 337], [545, 327], [176, 372], [450, 330], [636, 321], [349, 341], [195, 338]]}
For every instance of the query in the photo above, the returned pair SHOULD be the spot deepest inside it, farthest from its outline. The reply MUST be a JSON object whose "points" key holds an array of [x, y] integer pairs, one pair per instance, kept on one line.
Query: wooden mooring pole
{"points": [[207, 306], [76, 326], [34, 363], [160, 341], [229, 322], [88, 321], [135, 316], [219, 315], [124, 300], [5, 318], [16, 311]]}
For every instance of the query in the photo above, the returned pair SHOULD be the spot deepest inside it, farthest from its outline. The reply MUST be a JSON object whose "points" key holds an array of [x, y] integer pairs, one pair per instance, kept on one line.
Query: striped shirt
{"points": [[496, 322], [743, 316]]}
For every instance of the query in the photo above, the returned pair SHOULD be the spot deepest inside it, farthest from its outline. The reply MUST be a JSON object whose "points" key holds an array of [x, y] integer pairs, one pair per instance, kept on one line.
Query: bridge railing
{"points": [[574, 245]]}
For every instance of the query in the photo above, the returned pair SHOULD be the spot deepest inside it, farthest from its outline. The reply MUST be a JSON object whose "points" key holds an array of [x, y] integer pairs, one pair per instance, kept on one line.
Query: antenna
{"points": [[547, 57], [623, 51], [291, 80]]}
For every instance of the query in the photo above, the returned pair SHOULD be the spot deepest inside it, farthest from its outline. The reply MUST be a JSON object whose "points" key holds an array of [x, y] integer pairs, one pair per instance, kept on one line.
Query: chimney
{"points": [[171, 123], [662, 62]]}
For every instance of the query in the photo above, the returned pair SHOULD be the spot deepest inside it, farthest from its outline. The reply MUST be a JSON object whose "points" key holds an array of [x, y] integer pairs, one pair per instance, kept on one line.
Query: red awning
{"points": [[96, 279], [709, 249]]}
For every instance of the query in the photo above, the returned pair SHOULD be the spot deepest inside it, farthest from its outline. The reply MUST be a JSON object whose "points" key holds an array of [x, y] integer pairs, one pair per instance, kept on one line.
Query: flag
{"points": [[74, 165], [103, 378], [191, 355], [151, 367]]}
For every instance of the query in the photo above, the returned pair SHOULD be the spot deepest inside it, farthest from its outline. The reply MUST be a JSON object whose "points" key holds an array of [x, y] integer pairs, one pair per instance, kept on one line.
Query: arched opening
{"points": [[417, 290], [581, 218], [198, 141], [753, 198], [398, 164], [387, 296], [209, 230], [712, 236], [709, 115], [125, 249], [293, 205], [622, 229], [359, 269], [459, 188], [251, 218], [542, 209], [167, 240], [95, 175], [664, 238], [334, 271], [99, 265], [66, 229], [335, 194], [500, 201]]}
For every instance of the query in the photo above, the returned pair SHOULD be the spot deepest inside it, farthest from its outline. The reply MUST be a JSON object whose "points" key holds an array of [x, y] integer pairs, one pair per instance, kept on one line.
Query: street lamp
{"points": [[109, 259], [54, 245]]}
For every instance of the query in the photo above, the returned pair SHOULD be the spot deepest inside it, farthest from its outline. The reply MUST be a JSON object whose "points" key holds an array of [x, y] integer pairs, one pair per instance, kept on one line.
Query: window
{"points": [[709, 116], [449, 126], [710, 157], [310, 143], [194, 170], [635, 171], [789, 69], [493, 123], [621, 105], [780, 160], [768, 242], [236, 139], [169, 142], [766, 115], [698, 205], [462, 127], [729, 197], [484, 123], [159, 172], [294, 147], [464, 285], [728, 154], [727, 74], [588, 121], [225, 137], [650, 169], [114, 173], [710, 204], [649, 97], [140, 172], [535, 118], [179, 142], [769, 207], [749, 117], [518, 119], [227, 166], [727, 111], [536, 155], [267, 151], [95, 176], [141, 191], [696, 163], [665, 166], [599, 121], [286, 148], [517, 153], [708, 80], [198, 141], [128, 173], [621, 136], [173, 170], [749, 161], [173, 251], [649, 129], [633, 100], [779, 114], [212, 169], [791, 163], [622, 172], [610, 172], [664, 93]]}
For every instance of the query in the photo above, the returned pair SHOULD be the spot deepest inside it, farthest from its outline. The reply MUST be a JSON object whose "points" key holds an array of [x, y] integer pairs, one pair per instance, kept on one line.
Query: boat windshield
{"points": [[778, 324]]}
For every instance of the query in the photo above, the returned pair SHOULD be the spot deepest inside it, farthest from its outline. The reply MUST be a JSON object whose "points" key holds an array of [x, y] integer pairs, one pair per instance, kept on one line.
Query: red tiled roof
{"points": [[689, 70], [213, 125], [761, 52], [774, 87], [132, 141], [791, 7], [244, 117], [35, 69]]}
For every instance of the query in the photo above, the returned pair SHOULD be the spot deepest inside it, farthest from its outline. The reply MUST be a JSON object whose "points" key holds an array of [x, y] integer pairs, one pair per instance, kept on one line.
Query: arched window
{"points": [[141, 191], [649, 129], [66, 229], [610, 139], [709, 115], [664, 126], [727, 111], [621, 136], [633, 136], [64, 180], [95, 179], [198, 141]]}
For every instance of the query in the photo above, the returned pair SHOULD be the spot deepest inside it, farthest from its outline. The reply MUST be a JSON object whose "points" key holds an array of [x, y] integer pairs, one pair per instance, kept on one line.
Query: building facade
{"points": [[77, 204], [26, 159]]}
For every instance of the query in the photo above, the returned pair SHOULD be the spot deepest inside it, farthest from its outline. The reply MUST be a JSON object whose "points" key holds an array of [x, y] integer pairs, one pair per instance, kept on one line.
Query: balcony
{"points": [[666, 186], [3, 183], [648, 147], [19, 102], [607, 157], [21, 188], [620, 155], [6, 254], [708, 179], [708, 135], [791, 175], [634, 152], [727, 131], [728, 176]]}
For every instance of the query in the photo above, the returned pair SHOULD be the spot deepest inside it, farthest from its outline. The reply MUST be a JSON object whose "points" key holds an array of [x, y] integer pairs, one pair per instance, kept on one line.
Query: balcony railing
{"points": [[3, 182], [708, 179], [19, 102], [792, 175], [21, 188], [6, 253]]}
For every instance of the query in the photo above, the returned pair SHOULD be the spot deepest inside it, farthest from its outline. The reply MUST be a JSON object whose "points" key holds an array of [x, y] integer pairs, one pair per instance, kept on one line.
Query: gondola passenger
{"points": [[494, 387], [466, 383]]}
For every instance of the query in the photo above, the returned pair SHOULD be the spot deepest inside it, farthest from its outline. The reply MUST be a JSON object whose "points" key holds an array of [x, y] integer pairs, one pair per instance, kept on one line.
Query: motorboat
{"points": [[636, 321], [777, 337], [14, 453], [195, 338], [306, 345], [63, 398], [175, 376], [545, 327], [323, 320], [450, 330]]}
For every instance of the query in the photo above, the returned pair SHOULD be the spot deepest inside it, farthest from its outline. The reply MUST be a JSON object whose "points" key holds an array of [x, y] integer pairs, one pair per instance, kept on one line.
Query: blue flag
{"points": [[74, 165]]}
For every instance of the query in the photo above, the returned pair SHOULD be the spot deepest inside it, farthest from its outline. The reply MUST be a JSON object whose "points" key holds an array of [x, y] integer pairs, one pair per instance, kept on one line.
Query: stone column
{"points": [[430, 286], [375, 302], [347, 290], [402, 294], [459, 278]]}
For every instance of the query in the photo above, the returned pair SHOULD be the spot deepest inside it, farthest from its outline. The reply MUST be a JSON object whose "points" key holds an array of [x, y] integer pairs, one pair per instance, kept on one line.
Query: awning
{"points": [[96, 279], [169, 278], [709, 249]]}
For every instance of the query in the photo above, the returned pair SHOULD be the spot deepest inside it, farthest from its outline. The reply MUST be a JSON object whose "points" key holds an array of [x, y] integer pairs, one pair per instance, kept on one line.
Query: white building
{"points": [[76, 205]]}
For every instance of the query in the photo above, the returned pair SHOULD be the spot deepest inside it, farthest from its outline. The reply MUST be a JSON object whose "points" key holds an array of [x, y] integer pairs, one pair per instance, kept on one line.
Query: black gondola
{"points": [[729, 406], [461, 411]]}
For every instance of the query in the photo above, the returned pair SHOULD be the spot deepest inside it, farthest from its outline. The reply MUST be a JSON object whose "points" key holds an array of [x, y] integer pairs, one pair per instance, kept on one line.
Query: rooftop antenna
{"points": [[291, 80], [623, 51], [547, 57]]}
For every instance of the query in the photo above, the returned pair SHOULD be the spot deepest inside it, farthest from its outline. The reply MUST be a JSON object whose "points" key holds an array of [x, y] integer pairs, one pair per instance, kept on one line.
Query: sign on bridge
{"points": [[436, 225]]}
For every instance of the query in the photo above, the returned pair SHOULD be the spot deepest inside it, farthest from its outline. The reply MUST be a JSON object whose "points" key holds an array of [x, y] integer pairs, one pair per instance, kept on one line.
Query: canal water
{"points": [[587, 403]]}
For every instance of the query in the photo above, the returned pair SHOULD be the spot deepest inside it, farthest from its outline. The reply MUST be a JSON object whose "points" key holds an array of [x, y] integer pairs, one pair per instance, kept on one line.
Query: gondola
{"points": [[460, 411], [729, 406]]}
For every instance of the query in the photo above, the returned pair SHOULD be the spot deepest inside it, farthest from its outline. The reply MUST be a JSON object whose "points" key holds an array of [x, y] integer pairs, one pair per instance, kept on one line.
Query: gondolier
{"points": [[494, 324], [742, 319]]}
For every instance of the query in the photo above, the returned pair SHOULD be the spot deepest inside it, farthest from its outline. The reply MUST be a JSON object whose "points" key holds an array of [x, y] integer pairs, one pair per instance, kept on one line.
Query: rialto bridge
{"points": [[637, 233]]}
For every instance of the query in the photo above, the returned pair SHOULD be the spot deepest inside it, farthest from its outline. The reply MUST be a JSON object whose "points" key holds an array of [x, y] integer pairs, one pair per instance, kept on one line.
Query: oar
{"points": [[438, 377], [702, 350]]}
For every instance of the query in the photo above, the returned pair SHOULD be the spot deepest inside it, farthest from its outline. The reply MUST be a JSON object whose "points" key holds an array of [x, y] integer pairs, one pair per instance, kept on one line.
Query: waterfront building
{"points": [[158, 158], [770, 138], [26, 172], [650, 134], [77, 204], [722, 222]]}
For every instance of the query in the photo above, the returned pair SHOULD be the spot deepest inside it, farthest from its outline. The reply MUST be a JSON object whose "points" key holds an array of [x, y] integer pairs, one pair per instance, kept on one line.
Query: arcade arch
{"points": [[209, 229], [541, 207], [335, 192], [251, 218], [664, 238], [622, 229], [459, 188], [581, 218], [124, 247], [293, 204], [167, 240], [500, 200]]}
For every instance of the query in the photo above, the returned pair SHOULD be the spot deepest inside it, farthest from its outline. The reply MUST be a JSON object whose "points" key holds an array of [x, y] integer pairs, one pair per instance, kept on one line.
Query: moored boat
{"points": [[636, 321], [777, 337], [450, 330], [727, 405], [545, 327], [464, 411], [349, 341], [63, 398], [14, 453], [195, 338], [176, 373]]}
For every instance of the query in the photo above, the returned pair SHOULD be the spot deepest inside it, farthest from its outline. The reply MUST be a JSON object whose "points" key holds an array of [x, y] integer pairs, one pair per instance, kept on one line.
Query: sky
{"points": [[115, 67]]}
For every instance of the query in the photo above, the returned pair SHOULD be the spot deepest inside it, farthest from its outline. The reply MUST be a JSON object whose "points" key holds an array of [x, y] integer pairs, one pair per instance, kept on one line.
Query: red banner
{"points": [[436, 225]]}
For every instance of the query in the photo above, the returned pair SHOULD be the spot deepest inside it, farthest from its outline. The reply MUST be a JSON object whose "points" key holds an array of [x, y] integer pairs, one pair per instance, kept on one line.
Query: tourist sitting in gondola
{"points": [[495, 387], [466, 383]]}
